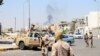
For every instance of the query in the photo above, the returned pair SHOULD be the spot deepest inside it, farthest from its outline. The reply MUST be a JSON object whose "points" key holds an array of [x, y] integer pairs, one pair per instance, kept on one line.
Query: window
{"points": [[65, 36], [30, 34], [36, 35]]}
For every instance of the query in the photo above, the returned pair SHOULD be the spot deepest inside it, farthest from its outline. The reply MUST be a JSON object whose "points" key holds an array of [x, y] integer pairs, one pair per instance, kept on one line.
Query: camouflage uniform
{"points": [[86, 38], [91, 38], [60, 48], [45, 42]]}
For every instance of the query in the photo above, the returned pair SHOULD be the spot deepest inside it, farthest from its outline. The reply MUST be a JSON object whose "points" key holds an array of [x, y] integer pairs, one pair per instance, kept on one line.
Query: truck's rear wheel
{"points": [[22, 45]]}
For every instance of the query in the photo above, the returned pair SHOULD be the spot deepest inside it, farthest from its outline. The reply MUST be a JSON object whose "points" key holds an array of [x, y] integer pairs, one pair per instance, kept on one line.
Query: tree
{"points": [[65, 31], [10, 30], [1, 2], [73, 23]]}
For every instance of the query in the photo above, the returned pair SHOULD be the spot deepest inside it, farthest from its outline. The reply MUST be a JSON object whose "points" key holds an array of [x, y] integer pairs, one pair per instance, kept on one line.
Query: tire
{"points": [[22, 45], [34, 48]]}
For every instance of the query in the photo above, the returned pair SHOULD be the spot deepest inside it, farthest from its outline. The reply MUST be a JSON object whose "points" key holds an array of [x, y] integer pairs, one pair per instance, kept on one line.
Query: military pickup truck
{"points": [[28, 40]]}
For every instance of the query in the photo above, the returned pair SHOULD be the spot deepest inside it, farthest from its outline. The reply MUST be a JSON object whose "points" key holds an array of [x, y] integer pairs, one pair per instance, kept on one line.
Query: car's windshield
{"points": [[65, 36]]}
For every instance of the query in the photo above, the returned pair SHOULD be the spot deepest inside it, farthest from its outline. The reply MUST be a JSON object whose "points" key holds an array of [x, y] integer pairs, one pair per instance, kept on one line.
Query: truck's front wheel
{"points": [[22, 45]]}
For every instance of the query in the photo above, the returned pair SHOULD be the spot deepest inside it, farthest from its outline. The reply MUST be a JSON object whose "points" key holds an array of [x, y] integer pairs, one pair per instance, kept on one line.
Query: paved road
{"points": [[79, 49]]}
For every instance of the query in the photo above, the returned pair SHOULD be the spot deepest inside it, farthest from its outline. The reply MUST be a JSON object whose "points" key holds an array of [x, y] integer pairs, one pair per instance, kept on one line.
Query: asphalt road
{"points": [[79, 49]]}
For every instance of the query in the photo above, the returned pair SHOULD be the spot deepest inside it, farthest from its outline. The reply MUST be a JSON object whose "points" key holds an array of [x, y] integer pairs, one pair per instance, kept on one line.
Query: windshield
{"points": [[65, 36]]}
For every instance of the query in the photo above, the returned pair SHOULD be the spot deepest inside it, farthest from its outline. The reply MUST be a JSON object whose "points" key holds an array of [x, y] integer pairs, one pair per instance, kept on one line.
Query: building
{"points": [[92, 20], [79, 25], [80, 22]]}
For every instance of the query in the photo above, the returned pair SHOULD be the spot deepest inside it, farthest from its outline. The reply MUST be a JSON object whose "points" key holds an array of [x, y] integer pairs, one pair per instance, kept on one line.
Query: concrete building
{"points": [[92, 20], [80, 22], [79, 25]]}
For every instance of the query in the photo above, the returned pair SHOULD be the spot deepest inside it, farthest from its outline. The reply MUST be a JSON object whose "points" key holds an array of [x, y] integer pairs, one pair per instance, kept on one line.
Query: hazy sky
{"points": [[61, 9]]}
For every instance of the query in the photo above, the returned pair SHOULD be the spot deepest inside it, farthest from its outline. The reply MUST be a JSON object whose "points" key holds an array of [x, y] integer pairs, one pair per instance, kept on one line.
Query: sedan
{"points": [[69, 38]]}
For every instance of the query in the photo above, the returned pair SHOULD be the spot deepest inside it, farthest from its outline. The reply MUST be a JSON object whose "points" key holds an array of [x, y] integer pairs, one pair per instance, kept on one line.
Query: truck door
{"points": [[34, 39]]}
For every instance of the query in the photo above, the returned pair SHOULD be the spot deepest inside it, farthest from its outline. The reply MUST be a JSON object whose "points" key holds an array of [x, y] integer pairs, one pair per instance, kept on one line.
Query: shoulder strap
{"points": [[69, 51]]}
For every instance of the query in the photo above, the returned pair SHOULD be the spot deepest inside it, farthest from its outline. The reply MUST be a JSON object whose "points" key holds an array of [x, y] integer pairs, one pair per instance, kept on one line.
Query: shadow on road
{"points": [[73, 45], [36, 49]]}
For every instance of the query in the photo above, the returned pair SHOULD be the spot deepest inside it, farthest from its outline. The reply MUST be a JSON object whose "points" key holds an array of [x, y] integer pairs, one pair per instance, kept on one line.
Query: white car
{"points": [[78, 36]]}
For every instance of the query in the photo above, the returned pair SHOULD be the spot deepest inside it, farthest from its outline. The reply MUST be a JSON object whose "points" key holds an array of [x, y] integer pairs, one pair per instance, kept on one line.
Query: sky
{"points": [[59, 9]]}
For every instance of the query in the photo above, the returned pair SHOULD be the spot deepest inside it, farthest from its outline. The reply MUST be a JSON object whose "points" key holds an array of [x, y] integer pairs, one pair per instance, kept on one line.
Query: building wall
{"points": [[92, 20]]}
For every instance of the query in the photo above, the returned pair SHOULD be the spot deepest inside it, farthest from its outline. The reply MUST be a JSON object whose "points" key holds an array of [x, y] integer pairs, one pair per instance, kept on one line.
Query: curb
{"points": [[5, 42], [5, 49]]}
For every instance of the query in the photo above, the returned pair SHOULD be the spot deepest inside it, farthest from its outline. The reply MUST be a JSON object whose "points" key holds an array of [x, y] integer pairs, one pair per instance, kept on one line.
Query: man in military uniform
{"points": [[86, 38], [91, 38], [61, 48], [45, 43]]}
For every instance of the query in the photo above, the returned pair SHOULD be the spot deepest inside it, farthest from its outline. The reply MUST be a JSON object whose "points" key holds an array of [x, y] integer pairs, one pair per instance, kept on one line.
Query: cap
{"points": [[58, 35]]}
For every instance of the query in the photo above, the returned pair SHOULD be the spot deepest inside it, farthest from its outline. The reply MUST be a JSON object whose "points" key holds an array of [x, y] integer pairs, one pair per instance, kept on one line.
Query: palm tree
{"points": [[73, 23], [1, 2]]}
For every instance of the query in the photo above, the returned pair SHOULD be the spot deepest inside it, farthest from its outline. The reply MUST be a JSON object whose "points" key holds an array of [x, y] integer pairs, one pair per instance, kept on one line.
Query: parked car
{"points": [[66, 37], [69, 38], [78, 36]]}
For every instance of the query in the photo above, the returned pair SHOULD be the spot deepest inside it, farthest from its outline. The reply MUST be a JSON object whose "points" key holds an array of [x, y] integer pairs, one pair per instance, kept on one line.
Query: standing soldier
{"points": [[45, 43], [86, 39], [91, 38], [61, 48]]}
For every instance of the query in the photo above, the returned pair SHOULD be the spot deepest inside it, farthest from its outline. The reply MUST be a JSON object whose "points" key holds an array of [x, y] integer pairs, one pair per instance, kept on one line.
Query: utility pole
{"points": [[29, 15], [23, 17], [15, 23], [97, 2], [1, 2], [0, 28]]}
